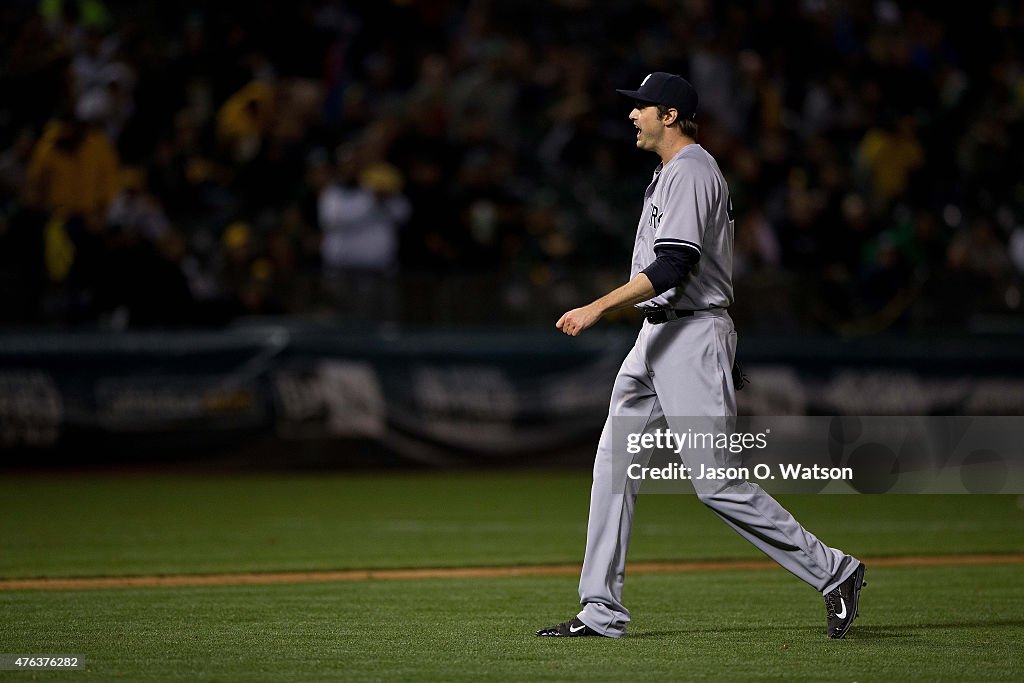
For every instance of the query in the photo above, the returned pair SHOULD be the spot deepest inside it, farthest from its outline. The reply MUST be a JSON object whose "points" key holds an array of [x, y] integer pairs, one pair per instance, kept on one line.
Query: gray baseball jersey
{"points": [[687, 205], [678, 370]]}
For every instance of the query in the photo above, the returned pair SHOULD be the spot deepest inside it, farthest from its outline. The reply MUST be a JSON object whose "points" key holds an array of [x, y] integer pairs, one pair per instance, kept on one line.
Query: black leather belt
{"points": [[657, 316]]}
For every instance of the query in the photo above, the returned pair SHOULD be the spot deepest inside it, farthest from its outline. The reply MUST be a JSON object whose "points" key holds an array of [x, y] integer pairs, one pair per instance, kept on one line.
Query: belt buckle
{"points": [[657, 316]]}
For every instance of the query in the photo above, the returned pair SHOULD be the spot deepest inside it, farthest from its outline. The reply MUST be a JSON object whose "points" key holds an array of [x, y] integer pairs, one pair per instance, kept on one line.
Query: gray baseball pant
{"points": [[683, 368]]}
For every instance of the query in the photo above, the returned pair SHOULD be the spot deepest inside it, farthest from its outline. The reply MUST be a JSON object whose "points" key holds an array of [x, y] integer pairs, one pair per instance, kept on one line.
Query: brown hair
{"points": [[688, 127]]}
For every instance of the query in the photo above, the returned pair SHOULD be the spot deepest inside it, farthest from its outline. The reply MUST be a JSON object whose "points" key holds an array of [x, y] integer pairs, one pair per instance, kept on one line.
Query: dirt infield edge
{"points": [[270, 578]]}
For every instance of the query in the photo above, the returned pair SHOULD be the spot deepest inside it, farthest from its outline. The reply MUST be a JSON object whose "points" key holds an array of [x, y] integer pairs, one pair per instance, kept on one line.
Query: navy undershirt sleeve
{"points": [[670, 268]]}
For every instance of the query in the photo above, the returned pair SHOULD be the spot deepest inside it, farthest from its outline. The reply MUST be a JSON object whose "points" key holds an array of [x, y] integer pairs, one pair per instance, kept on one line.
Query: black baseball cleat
{"points": [[574, 628], [841, 603]]}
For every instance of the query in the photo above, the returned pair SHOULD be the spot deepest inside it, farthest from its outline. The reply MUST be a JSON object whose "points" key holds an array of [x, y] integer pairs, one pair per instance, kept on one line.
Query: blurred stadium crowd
{"points": [[187, 163]]}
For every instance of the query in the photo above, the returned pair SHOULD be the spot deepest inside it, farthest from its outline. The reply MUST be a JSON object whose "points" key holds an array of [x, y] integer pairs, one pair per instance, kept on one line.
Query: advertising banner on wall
{"points": [[431, 396]]}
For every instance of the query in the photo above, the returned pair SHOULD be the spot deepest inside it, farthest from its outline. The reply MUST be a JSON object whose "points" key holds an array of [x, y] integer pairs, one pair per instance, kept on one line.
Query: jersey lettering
{"points": [[656, 216]]}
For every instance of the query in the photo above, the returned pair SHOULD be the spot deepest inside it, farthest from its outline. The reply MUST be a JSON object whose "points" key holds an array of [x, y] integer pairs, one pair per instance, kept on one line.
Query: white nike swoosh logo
{"points": [[577, 630], [839, 615]]}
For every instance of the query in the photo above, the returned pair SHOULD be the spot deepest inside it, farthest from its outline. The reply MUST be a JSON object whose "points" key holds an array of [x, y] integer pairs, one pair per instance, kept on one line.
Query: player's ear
{"points": [[671, 116]]}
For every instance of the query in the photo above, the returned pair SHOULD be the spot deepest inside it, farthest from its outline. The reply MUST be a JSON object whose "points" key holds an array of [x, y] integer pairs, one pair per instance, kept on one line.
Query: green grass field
{"points": [[917, 623]]}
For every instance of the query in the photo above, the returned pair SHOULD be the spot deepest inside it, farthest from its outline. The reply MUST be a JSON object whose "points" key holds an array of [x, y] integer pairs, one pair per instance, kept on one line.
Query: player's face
{"points": [[649, 127]]}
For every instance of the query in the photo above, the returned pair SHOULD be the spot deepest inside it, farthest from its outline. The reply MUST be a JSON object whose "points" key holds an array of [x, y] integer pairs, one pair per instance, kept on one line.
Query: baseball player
{"points": [[681, 365]]}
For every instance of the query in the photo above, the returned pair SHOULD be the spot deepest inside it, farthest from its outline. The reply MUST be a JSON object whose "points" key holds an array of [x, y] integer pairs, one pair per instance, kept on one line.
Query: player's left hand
{"points": [[578, 319]]}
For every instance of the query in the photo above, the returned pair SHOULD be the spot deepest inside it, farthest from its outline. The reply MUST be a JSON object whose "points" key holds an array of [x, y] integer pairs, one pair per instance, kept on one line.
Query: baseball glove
{"points": [[739, 378]]}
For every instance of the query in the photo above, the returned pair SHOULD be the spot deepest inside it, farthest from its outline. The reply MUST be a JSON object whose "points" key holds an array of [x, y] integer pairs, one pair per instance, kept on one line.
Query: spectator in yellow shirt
{"points": [[73, 177], [74, 171], [890, 156]]}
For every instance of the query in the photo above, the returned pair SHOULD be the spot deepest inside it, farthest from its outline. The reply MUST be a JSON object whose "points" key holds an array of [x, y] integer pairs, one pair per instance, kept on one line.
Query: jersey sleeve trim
{"points": [[672, 242]]}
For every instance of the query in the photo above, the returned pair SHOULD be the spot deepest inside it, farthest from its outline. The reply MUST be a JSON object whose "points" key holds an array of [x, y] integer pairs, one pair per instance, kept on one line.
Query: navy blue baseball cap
{"points": [[668, 89]]}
